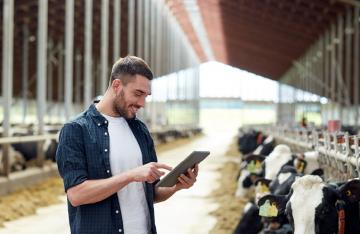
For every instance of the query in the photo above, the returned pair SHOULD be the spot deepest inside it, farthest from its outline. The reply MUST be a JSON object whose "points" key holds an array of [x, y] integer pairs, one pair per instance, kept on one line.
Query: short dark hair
{"points": [[130, 66]]}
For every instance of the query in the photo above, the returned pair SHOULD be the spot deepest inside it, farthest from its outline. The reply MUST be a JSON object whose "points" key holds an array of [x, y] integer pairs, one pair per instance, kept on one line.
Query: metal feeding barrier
{"points": [[339, 152], [5, 145]]}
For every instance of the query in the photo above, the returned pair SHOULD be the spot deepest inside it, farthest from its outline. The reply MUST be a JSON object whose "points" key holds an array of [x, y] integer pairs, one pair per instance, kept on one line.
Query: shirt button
{"points": [[105, 150], [108, 171], [117, 211], [105, 122], [105, 133], [99, 124], [120, 230]]}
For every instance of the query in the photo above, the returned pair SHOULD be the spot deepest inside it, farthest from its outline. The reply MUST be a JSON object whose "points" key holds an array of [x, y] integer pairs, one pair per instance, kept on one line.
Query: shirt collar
{"points": [[96, 116]]}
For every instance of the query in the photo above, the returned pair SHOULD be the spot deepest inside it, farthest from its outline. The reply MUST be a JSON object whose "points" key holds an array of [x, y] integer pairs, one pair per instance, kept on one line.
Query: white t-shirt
{"points": [[125, 154]]}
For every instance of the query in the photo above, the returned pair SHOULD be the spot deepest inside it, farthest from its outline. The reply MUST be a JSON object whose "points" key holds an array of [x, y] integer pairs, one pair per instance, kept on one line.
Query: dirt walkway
{"points": [[230, 208], [188, 211]]}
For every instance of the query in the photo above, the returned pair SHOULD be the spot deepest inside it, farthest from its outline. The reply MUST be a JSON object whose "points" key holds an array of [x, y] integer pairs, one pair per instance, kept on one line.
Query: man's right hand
{"points": [[149, 172]]}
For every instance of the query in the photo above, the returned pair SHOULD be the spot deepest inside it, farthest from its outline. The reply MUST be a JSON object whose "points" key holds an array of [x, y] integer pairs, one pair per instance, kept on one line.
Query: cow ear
{"points": [[350, 190], [257, 157], [272, 205], [318, 172]]}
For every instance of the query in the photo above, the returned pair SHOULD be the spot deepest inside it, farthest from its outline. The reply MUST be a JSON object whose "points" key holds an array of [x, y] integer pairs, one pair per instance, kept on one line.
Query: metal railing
{"points": [[5, 143], [339, 152]]}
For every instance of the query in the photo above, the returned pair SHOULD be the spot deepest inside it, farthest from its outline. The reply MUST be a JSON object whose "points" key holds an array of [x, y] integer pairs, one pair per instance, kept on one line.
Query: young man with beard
{"points": [[107, 159]]}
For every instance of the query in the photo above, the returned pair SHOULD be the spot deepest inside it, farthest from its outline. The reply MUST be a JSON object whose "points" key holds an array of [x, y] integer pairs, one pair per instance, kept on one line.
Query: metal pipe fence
{"points": [[339, 152]]}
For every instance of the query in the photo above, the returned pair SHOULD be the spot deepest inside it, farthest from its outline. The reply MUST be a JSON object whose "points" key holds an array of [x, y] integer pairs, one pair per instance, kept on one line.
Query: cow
{"points": [[248, 142], [280, 156], [251, 221], [29, 149], [313, 206], [251, 169], [16, 160], [282, 163], [281, 185], [272, 164], [308, 163], [266, 147]]}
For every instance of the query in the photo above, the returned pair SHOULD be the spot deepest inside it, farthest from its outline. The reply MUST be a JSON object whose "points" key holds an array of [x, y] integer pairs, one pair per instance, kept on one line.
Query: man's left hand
{"points": [[187, 180]]}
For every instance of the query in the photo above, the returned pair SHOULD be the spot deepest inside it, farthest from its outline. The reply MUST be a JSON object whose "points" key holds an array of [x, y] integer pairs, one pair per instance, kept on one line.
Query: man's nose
{"points": [[141, 102]]}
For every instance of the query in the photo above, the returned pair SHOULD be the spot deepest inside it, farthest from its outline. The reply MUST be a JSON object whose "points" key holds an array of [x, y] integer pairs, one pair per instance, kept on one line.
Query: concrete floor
{"points": [[185, 212]]}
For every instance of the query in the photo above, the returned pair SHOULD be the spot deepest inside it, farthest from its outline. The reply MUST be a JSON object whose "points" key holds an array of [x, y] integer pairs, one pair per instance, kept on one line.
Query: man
{"points": [[107, 159]]}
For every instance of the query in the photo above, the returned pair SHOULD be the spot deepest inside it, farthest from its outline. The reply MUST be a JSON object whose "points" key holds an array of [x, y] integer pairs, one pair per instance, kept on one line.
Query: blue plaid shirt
{"points": [[82, 154]]}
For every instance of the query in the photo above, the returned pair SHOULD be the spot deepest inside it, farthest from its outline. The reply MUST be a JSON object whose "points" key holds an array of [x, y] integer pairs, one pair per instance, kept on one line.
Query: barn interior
{"points": [[224, 70]]}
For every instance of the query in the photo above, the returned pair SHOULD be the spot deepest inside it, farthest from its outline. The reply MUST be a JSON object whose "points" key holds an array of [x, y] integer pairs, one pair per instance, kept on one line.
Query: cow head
{"points": [[311, 204], [280, 156], [350, 191], [281, 185], [250, 171], [261, 188]]}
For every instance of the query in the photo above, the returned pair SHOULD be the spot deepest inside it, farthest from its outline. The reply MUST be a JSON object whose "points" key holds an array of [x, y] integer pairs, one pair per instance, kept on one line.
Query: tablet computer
{"points": [[189, 162]]}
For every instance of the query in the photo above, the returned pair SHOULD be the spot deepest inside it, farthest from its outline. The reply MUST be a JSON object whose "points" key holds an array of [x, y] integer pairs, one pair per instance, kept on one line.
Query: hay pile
{"points": [[230, 207], [25, 201]]}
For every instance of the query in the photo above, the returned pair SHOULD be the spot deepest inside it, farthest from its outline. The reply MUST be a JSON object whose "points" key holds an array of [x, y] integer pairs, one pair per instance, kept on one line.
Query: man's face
{"points": [[131, 97]]}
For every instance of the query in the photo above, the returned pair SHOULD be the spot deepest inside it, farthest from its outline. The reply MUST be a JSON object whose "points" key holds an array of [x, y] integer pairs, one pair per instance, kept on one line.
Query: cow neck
{"points": [[340, 204]]}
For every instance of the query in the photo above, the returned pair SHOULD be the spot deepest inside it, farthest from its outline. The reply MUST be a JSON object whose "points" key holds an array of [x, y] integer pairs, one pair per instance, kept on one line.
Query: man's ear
{"points": [[350, 190], [116, 84], [272, 205]]}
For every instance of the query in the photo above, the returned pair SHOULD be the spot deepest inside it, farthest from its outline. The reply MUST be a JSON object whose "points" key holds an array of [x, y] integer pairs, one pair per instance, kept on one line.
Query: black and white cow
{"points": [[249, 141], [279, 168], [266, 147], [281, 185], [251, 170], [16, 160], [315, 207], [250, 222], [308, 163], [29, 149], [280, 156], [272, 164], [251, 219]]}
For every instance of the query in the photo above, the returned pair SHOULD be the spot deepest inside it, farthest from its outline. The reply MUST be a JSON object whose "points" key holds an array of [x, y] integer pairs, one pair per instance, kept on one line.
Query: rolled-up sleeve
{"points": [[70, 156]]}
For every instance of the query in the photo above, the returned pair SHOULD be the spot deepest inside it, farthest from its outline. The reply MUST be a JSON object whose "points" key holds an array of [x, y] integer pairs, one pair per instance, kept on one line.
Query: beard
{"points": [[120, 107]]}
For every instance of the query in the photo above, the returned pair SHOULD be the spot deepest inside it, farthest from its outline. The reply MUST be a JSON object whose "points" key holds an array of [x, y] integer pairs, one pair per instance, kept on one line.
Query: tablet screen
{"points": [[189, 162]]}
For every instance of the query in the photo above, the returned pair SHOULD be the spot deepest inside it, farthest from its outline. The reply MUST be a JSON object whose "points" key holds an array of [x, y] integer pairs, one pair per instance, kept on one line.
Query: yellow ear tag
{"points": [[254, 166], [251, 167], [268, 210], [262, 188], [258, 165], [300, 167]]}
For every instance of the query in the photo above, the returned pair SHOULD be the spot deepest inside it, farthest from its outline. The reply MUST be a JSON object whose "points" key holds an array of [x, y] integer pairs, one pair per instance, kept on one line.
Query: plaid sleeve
{"points": [[70, 156]]}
